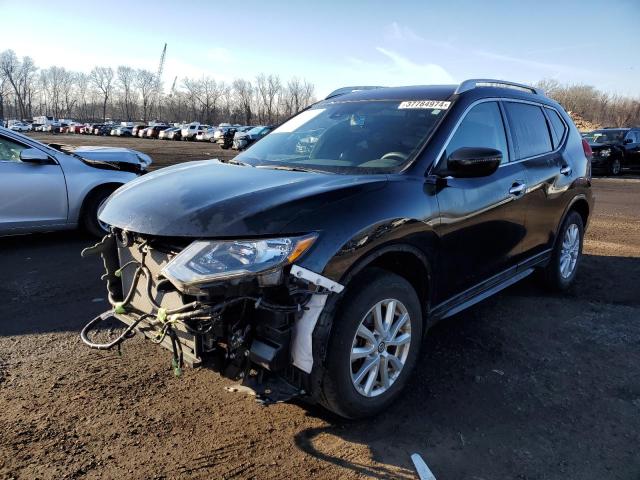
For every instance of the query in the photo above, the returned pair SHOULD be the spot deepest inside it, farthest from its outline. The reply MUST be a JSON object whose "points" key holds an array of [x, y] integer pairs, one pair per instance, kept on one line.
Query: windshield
{"points": [[348, 137], [605, 136]]}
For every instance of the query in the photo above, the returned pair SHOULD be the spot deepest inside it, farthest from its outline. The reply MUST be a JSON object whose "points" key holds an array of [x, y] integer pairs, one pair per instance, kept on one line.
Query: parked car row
{"points": [[237, 137]]}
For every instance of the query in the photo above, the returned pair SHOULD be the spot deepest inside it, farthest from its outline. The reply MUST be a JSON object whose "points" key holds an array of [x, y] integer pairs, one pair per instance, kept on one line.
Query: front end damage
{"points": [[256, 329]]}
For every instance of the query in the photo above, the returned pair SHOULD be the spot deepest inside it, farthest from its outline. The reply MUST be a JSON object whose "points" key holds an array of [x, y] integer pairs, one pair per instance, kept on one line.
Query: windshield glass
{"points": [[605, 136], [348, 137]]}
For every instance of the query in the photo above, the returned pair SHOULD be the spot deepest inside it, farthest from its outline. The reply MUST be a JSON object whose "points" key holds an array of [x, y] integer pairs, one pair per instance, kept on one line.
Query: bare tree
{"points": [[243, 91], [268, 89], [19, 75], [145, 83], [126, 83], [102, 79]]}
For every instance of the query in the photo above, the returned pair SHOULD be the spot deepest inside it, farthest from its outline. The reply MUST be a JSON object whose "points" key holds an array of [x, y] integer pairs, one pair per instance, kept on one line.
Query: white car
{"points": [[21, 127], [189, 132], [44, 188]]}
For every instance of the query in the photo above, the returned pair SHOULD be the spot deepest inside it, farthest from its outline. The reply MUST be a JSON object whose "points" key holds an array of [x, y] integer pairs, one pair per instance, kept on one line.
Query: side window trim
{"points": [[511, 145], [565, 131]]}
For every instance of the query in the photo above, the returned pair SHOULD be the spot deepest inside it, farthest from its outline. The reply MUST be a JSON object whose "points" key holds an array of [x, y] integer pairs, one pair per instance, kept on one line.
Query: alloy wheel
{"points": [[570, 250], [380, 347]]}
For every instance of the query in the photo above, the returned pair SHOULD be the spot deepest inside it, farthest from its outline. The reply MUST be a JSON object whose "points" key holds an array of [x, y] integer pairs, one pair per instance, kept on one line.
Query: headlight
{"points": [[604, 153], [206, 261]]}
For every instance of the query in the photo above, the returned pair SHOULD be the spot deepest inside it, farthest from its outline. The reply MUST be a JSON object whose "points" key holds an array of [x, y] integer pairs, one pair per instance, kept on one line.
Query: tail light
{"points": [[587, 149]]}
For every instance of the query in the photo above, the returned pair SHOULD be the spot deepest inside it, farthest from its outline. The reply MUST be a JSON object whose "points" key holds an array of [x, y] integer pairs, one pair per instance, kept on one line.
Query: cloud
{"points": [[407, 70], [532, 64], [397, 32]]}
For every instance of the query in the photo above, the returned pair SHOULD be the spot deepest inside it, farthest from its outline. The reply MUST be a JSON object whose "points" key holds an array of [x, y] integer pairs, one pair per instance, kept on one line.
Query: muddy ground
{"points": [[526, 385]]}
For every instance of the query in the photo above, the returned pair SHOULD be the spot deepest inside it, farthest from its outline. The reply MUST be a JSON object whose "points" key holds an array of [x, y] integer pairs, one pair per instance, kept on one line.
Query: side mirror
{"points": [[33, 155], [628, 140], [470, 162]]}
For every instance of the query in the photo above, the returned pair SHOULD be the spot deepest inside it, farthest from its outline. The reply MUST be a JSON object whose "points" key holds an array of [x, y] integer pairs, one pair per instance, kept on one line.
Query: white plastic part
{"points": [[301, 344], [316, 279], [421, 467]]}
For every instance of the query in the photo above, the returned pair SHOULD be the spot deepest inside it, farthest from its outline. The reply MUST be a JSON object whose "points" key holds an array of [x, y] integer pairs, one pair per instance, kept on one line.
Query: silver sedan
{"points": [[43, 188]]}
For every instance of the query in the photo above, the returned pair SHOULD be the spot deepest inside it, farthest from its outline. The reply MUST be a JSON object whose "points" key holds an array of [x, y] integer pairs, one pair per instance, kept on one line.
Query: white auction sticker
{"points": [[429, 104]]}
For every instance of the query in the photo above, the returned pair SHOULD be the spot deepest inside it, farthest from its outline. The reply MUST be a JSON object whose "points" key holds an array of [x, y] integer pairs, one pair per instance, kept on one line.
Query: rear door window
{"points": [[529, 129], [558, 127], [481, 127]]}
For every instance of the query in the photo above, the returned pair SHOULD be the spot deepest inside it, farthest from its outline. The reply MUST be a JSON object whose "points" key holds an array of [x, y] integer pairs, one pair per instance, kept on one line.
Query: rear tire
{"points": [[560, 273], [90, 212], [348, 386]]}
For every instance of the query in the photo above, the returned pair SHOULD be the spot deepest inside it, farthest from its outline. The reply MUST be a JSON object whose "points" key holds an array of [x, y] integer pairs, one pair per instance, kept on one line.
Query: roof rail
{"points": [[484, 82], [345, 90]]}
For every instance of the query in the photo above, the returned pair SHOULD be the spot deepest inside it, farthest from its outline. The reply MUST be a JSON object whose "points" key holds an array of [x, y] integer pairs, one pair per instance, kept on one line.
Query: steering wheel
{"points": [[399, 155]]}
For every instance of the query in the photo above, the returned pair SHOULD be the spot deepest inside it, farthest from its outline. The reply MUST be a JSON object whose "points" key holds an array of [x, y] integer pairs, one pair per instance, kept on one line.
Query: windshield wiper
{"points": [[236, 162], [293, 169]]}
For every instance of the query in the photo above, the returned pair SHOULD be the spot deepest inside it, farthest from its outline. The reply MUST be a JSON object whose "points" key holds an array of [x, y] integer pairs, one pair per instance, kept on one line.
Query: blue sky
{"points": [[338, 43]]}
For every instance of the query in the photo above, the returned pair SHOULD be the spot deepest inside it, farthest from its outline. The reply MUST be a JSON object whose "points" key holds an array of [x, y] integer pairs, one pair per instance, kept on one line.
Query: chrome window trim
{"points": [[565, 134], [500, 99]]}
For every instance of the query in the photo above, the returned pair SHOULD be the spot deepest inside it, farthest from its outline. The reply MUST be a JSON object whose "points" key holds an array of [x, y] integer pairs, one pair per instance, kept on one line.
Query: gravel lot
{"points": [[525, 385]]}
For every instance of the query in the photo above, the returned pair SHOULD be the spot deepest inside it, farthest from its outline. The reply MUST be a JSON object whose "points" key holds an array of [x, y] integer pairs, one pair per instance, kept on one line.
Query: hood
{"points": [[212, 199], [114, 155]]}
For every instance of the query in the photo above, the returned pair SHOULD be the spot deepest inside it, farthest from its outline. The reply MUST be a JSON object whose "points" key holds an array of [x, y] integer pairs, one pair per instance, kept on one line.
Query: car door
{"points": [[632, 149], [539, 134], [482, 219], [32, 196]]}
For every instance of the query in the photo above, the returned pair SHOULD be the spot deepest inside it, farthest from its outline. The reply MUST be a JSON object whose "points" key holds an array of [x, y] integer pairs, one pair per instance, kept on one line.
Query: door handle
{"points": [[517, 189], [566, 170]]}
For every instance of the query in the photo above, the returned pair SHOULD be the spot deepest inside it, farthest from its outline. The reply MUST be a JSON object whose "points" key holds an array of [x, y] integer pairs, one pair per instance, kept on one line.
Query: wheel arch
{"points": [[579, 203], [402, 259], [108, 186]]}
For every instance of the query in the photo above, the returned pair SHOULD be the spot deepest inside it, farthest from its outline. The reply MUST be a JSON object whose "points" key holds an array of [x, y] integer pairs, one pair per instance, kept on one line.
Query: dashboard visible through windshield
{"points": [[348, 137]]}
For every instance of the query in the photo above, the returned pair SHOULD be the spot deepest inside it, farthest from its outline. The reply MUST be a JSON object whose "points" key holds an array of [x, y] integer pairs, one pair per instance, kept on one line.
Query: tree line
{"points": [[595, 106], [131, 94]]}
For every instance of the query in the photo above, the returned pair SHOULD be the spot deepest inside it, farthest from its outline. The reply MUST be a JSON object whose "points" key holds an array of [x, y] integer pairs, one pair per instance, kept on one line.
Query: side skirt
{"points": [[489, 287]]}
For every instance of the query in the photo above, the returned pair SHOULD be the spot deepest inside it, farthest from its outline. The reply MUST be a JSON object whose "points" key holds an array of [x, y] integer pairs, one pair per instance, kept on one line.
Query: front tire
{"points": [[92, 205], [561, 271], [615, 167], [374, 345]]}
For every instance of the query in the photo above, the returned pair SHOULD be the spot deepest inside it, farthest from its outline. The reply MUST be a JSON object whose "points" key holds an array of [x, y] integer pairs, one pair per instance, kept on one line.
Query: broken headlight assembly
{"points": [[207, 261]]}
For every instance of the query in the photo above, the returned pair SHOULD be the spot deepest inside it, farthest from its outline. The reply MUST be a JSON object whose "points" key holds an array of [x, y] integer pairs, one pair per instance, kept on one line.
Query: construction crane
{"points": [[173, 86], [158, 86]]}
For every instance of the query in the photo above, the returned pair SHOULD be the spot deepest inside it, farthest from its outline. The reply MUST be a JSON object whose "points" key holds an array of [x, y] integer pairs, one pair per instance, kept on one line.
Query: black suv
{"points": [[614, 150], [317, 271]]}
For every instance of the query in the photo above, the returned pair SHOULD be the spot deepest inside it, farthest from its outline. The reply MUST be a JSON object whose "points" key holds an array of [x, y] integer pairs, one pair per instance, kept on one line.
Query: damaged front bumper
{"points": [[243, 328]]}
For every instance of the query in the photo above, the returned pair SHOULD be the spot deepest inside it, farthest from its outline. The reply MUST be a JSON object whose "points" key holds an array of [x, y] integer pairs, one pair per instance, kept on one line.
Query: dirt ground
{"points": [[525, 385]]}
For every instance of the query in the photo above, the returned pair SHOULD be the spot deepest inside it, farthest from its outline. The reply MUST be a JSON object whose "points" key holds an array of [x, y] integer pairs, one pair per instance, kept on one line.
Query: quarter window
{"points": [[558, 127], [529, 129], [9, 150], [481, 127]]}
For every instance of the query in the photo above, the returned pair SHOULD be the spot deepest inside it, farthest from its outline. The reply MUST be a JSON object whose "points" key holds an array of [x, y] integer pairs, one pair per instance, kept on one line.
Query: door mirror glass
{"points": [[33, 155], [469, 162]]}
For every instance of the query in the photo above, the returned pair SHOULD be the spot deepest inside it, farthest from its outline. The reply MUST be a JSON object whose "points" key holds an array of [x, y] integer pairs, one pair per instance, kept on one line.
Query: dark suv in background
{"points": [[615, 150], [316, 271]]}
